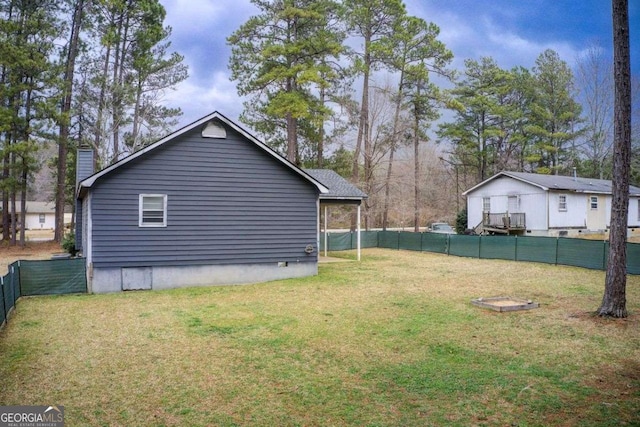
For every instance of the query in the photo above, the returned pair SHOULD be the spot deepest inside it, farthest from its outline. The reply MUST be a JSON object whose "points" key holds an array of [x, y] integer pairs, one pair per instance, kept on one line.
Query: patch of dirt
{"points": [[631, 319], [31, 251], [620, 381]]}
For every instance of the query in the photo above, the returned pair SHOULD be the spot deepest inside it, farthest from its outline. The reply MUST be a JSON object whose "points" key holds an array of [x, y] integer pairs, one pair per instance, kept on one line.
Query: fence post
{"points": [[2, 295], [516, 249], [557, 245]]}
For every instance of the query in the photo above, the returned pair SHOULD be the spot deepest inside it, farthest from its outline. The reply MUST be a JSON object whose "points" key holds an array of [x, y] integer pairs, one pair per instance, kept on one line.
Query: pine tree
{"points": [[278, 58]]}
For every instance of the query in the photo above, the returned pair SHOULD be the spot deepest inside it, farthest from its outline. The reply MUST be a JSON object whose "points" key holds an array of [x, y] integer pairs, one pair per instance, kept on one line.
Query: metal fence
{"points": [[59, 276], [551, 250]]}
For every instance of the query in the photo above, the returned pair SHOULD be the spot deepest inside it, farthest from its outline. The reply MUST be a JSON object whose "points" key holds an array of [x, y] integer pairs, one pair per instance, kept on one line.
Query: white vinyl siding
{"points": [[153, 210], [513, 203]]}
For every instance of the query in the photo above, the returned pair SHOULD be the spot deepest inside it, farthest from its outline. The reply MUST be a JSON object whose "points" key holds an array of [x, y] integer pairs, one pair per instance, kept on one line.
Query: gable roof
{"points": [[86, 183], [340, 190], [558, 183]]}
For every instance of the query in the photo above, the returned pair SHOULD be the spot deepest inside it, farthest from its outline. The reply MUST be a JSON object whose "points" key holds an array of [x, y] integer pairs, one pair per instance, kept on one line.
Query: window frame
{"points": [[486, 203], [593, 206], [141, 211], [562, 202]]}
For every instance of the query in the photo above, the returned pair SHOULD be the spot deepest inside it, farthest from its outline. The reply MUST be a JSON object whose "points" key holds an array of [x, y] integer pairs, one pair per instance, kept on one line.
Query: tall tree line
{"points": [[102, 86], [297, 61]]}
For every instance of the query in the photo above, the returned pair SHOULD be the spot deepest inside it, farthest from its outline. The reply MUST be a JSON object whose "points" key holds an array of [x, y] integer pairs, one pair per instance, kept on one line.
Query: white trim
{"points": [[89, 231], [560, 202], [358, 231], [88, 182], [140, 211]]}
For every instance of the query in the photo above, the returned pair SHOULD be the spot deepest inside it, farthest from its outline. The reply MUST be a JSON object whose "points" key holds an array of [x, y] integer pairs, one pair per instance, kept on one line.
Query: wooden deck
{"points": [[503, 223]]}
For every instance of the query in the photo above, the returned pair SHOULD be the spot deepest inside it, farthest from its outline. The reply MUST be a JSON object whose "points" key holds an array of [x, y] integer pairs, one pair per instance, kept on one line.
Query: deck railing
{"points": [[504, 220]]}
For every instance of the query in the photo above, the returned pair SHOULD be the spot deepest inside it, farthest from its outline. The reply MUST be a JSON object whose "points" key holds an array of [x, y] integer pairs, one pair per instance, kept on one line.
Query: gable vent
{"points": [[214, 130]]}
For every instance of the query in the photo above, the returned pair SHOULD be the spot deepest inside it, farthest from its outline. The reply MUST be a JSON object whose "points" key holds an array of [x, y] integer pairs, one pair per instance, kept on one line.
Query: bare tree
{"points": [[594, 76], [614, 299]]}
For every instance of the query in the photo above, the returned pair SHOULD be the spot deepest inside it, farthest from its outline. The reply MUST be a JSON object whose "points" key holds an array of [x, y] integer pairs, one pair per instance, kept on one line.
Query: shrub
{"points": [[461, 221], [69, 243]]}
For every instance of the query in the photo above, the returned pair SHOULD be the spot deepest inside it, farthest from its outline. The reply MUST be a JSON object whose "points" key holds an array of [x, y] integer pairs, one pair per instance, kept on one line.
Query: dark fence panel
{"points": [[537, 249], [410, 241], [337, 241], [435, 242], [369, 239], [389, 239], [581, 253], [467, 246], [633, 258], [53, 277], [9, 291], [498, 247]]}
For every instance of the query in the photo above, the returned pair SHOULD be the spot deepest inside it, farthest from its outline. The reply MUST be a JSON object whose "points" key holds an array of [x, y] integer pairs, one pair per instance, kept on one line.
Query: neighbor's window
{"points": [[153, 210], [486, 204], [594, 202], [41, 218], [562, 202]]}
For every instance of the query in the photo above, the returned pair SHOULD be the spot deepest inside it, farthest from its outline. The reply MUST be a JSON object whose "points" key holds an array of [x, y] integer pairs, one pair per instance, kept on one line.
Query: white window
{"points": [[593, 202], [513, 202], [486, 204], [562, 202], [153, 210]]}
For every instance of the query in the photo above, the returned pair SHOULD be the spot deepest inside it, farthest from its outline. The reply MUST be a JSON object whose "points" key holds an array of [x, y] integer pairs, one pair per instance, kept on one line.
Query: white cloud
{"points": [[510, 49], [216, 93]]}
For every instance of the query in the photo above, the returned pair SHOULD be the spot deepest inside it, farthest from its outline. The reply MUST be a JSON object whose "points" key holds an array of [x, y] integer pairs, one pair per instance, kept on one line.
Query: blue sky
{"points": [[513, 32]]}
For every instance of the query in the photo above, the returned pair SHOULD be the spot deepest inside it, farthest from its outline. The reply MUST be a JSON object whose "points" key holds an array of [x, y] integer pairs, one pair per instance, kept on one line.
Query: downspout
{"points": [[358, 231], [547, 212], [326, 234]]}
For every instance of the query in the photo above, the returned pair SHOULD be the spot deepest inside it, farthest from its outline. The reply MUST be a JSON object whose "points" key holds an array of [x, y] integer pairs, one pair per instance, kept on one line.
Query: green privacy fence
{"points": [[9, 291], [551, 250], [24, 278]]}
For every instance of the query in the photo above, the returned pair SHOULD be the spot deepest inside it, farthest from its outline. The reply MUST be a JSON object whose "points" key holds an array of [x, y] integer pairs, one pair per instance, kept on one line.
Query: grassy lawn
{"points": [[392, 340]]}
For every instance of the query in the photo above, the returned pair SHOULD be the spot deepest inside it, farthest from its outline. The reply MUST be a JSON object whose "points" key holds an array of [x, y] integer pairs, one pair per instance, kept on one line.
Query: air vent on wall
{"points": [[214, 130]]}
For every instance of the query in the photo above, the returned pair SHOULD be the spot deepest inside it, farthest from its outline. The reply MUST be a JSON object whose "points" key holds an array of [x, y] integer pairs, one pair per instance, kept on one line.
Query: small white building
{"points": [[40, 215], [544, 205]]}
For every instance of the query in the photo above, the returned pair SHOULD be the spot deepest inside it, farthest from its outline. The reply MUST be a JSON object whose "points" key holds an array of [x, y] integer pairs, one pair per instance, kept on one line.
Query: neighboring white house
{"points": [[544, 205], [40, 215]]}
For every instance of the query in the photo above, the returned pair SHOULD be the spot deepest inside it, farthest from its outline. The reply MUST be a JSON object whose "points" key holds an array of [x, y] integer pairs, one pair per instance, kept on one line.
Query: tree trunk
{"points": [[394, 144], [416, 176], [364, 114], [614, 299], [63, 144]]}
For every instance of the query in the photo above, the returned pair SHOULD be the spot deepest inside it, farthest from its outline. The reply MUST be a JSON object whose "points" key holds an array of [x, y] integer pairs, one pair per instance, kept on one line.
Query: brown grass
{"points": [[31, 250]]}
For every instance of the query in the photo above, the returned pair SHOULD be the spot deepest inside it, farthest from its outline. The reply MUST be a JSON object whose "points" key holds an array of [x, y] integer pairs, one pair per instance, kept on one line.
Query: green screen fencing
{"points": [[349, 240], [59, 276], [551, 250], [9, 291]]}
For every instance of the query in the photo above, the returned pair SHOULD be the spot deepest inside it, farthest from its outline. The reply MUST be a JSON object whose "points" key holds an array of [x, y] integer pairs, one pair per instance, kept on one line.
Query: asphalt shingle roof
{"points": [[568, 183], [339, 188]]}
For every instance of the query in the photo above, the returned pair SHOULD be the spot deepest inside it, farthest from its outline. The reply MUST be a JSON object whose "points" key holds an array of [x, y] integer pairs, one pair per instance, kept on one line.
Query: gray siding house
{"points": [[208, 204]]}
